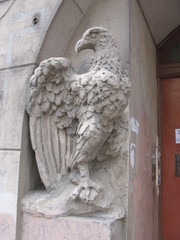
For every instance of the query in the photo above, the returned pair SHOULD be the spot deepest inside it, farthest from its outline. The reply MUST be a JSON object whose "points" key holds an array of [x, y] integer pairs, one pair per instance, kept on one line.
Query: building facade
{"points": [[147, 36]]}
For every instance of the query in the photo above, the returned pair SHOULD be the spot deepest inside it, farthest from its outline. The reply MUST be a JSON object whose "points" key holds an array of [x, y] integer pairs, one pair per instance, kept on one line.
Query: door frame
{"points": [[165, 70]]}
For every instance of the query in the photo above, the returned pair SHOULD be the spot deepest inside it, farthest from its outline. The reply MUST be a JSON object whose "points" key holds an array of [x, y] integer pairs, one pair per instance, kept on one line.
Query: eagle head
{"points": [[94, 38]]}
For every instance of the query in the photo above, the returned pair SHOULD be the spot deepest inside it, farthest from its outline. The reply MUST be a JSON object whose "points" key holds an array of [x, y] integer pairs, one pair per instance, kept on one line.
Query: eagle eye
{"points": [[93, 35]]}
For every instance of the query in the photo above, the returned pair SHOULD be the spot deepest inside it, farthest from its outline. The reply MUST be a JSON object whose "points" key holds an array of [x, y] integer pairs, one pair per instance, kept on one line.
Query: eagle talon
{"points": [[87, 191]]}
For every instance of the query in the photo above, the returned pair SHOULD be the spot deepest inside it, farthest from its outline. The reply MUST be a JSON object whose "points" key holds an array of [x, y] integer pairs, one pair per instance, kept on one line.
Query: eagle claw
{"points": [[87, 191]]}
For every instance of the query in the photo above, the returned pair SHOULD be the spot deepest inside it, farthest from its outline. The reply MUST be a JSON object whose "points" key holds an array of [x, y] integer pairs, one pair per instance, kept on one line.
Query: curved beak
{"points": [[83, 44], [79, 46]]}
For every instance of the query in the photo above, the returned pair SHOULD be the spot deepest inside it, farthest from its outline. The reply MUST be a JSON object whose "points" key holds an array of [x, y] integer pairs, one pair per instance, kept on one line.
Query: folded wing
{"points": [[52, 109]]}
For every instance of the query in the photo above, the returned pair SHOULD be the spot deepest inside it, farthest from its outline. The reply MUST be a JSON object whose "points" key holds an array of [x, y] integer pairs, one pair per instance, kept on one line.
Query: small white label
{"points": [[177, 133], [132, 154], [134, 125]]}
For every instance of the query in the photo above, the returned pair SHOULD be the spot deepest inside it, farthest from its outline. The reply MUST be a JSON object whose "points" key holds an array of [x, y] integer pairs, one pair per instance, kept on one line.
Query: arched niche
{"points": [[67, 26], [54, 44], [66, 29], [70, 21], [62, 28]]}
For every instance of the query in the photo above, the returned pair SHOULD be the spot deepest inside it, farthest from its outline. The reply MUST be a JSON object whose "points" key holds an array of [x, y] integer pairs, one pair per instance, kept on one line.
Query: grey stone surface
{"points": [[5, 6], [9, 173], [72, 228], [21, 42], [59, 35], [83, 5], [13, 100]]}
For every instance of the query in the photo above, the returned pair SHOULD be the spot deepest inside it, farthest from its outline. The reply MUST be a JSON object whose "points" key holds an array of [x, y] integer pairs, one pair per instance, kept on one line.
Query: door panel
{"points": [[170, 182]]}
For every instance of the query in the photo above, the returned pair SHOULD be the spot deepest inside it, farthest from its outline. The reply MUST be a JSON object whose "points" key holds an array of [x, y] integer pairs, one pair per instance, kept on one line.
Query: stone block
{"points": [[71, 228], [9, 173], [13, 98]]}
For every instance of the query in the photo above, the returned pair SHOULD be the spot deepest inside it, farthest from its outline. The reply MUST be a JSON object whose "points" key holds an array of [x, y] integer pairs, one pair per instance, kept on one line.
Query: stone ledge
{"points": [[71, 228]]}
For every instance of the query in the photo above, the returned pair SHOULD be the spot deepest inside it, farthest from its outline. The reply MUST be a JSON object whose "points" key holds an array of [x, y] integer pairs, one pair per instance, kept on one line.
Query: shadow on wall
{"points": [[29, 177]]}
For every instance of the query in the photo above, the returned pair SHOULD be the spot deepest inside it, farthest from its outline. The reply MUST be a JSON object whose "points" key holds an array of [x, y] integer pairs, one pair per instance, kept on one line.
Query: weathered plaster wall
{"points": [[143, 212]]}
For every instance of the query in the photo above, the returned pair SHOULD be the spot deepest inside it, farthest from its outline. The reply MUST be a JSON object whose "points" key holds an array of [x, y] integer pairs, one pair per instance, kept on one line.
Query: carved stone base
{"points": [[76, 228], [60, 202], [40, 203]]}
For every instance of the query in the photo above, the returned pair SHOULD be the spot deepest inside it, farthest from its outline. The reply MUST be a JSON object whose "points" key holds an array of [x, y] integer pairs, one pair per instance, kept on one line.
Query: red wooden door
{"points": [[170, 180]]}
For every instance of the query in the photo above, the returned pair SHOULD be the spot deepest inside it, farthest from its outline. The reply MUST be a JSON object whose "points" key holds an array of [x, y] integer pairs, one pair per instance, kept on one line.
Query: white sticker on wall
{"points": [[177, 134], [134, 125], [132, 154]]}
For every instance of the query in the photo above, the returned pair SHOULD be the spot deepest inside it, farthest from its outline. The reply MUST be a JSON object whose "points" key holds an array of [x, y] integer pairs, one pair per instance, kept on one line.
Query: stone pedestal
{"points": [[71, 228]]}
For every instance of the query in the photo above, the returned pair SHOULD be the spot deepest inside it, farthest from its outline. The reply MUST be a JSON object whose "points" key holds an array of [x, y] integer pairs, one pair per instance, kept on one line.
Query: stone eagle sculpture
{"points": [[74, 116]]}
